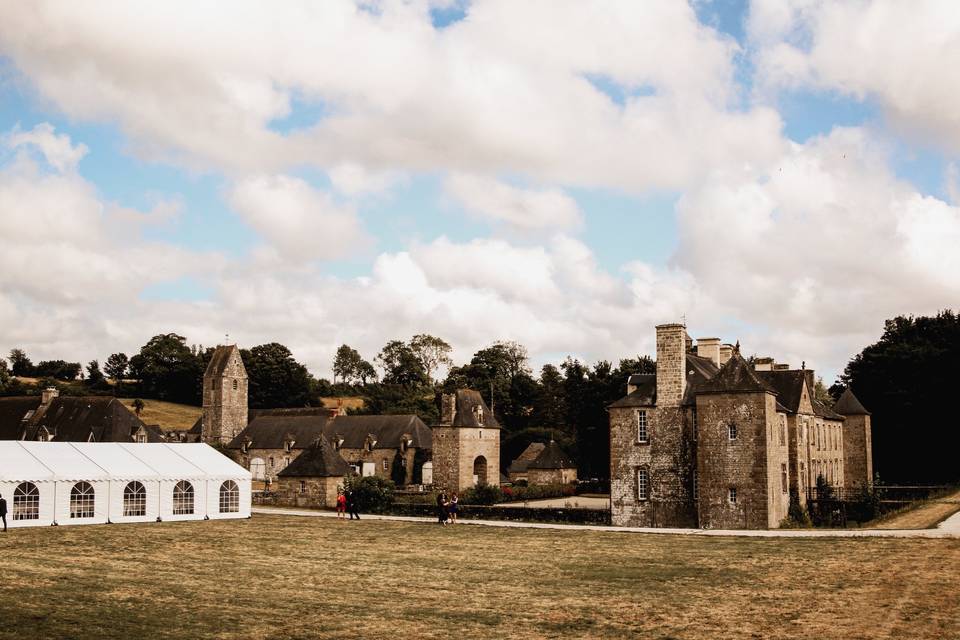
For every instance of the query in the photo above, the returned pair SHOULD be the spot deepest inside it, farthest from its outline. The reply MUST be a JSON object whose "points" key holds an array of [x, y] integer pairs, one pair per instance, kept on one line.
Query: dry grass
{"points": [[349, 402], [289, 577], [169, 415], [923, 515]]}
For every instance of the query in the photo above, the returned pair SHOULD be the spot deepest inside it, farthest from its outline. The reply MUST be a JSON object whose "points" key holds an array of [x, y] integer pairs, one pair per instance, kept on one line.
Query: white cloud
{"points": [[903, 54], [520, 209], [302, 223], [479, 96], [57, 150]]}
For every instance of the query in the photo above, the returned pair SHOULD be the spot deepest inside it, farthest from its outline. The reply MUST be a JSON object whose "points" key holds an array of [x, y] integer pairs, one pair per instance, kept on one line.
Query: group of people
{"points": [[447, 508], [347, 503]]}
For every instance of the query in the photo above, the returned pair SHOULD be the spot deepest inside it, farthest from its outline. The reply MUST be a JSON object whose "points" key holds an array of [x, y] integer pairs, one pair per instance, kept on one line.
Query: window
{"points": [[303, 486], [141, 438], [385, 465], [230, 497], [286, 462], [783, 477], [643, 484], [783, 429], [81, 500], [213, 385], [732, 495], [235, 385], [134, 499], [286, 445], [803, 475], [478, 413], [642, 435], [26, 502], [732, 431], [696, 486], [183, 498], [271, 462]]}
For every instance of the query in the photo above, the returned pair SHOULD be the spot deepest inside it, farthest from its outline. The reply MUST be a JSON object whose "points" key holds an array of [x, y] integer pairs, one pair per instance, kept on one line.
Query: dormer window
{"points": [[287, 445], [338, 442], [478, 414], [140, 438], [370, 443]]}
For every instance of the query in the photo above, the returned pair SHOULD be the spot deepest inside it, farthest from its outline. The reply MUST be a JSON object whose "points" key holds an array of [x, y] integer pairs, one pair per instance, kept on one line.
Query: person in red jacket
{"points": [[341, 506]]}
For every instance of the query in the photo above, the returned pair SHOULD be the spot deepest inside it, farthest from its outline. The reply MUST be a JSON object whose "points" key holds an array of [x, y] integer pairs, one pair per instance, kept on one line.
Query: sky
{"points": [[566, 174]]}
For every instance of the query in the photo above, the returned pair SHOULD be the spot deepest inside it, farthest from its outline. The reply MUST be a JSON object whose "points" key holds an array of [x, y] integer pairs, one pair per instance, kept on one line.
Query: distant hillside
{"points": [[349, 402], [169, 415]]}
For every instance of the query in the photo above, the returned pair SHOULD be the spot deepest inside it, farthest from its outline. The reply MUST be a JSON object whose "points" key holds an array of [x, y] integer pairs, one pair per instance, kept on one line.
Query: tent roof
{"points": [[214, 463], [119, 463], [65, 461], [165, 460], [19, 466]]}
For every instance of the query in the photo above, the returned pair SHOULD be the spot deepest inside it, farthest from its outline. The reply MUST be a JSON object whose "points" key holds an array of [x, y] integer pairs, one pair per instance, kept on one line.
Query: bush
{"points": [[797, 516], [372, 494], [484, 494]]}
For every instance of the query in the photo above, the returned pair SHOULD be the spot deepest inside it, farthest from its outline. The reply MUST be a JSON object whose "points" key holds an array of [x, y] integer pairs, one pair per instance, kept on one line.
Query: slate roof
{"points": [[270, 429], [72, 419], [824, 411], [699, 371], [736, 376], [849, 405], [319, 460], [645, 395], [467, 399], [788, 385], [552, 457], [219, 359], [520, 464]]}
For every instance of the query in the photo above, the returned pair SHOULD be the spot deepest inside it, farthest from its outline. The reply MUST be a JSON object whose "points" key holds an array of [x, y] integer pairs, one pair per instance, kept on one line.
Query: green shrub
{"points": [[372, 494], [484, 494]]}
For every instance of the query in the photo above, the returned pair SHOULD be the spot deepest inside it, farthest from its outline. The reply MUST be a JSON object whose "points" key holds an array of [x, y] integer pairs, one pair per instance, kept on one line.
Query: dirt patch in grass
{"points": [[924, 515], [288, 577]]}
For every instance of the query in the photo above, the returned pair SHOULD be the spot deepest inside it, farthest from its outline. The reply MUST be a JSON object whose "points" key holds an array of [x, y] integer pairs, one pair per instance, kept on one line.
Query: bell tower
{"points": [[466, 443], [224, 396]]}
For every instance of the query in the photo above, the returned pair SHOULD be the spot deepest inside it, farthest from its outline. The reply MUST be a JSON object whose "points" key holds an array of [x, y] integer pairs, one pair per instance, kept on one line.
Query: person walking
{"points": [[442, 508], [452, 508], [3, 512], [341, 506], [352, 506]]}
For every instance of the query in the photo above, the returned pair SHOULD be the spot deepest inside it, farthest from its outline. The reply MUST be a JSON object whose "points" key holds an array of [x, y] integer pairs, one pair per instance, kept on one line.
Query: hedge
{"points": [[516, 514]]}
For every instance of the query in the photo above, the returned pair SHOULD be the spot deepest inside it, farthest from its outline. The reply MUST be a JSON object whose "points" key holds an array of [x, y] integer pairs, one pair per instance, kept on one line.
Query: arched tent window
{"points": [[229, 497], [183, 498], [134, 499], [81, 500], [26, 502]]}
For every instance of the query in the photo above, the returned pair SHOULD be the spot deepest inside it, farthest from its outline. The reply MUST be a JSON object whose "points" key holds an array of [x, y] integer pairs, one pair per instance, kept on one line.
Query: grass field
{"points": [[287, 577], [922, 515], [169, 415]]}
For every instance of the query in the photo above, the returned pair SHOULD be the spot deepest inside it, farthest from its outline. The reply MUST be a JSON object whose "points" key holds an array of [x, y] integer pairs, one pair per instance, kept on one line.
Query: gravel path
{"points": [[949, 528]]}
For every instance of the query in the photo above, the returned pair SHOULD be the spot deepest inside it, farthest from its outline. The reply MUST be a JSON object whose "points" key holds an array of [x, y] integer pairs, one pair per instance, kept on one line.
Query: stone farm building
{"points": [[517, 471], [712, 441], [462, 450], [552, 466], [51, 418]]}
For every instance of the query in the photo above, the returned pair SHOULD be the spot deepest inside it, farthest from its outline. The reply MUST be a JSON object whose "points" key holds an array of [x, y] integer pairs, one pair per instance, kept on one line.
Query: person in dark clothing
{"points": [[442, 508], [3, 512], [352, 506]]}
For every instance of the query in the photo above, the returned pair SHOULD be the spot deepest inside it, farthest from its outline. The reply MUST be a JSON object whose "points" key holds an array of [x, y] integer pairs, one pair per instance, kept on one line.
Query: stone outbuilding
{"points": [[466, 443], [552, 466], [857, 440], [312, 480], [517, 471]]}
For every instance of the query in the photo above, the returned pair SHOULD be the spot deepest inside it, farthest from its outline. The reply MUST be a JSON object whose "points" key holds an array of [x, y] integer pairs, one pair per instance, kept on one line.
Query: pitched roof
{"points": [[13, 412], [319, 460], [736, 376], [823, 410], [788, 385], [72, 419], [467, 401], [645, 394], [520, 464], [220, 359], [849, 405], [699, 370], [270, 429], [552, 457]]}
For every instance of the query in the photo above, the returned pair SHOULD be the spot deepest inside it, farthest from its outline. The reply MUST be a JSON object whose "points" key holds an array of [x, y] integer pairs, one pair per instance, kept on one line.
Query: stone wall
{"points": [[747, 464], [826, 451], [667, 456], [378, 457], [225, 407], [857, 451], [308, 492], [671, 364], [551, 476], [454, 451]]}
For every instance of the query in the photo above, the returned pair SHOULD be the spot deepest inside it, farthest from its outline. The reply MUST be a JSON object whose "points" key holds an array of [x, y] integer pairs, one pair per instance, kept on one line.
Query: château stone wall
{"points": [[857, 449]]}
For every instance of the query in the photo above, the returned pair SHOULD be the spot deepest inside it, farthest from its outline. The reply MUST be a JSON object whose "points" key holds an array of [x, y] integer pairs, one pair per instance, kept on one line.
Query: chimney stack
{"points": [[671, 364], [448, 408], [709, 348], [48, 394], [763, 364], [726, 351]]}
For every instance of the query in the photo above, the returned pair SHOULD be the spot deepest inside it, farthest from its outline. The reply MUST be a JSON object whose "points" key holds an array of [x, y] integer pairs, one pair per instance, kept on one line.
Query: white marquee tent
{"points": [[48, 483]]}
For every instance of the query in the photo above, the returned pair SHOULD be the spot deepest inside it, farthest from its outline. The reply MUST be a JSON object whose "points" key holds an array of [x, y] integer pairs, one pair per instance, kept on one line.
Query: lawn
{"points": [[288, 577]]}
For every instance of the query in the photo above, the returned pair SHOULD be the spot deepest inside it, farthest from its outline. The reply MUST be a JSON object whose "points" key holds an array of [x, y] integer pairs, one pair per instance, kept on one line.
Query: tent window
{"points": [[26, 502], [229, 497], [183, 499], [81, 500], [134, 499]]}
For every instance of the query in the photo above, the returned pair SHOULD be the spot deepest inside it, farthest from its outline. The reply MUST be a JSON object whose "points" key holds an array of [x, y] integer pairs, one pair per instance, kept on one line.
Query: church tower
{"points": [[224, 396]]}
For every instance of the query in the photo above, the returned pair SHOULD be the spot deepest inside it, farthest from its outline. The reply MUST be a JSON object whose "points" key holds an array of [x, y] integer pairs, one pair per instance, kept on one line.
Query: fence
{"points": [[838, 506]]}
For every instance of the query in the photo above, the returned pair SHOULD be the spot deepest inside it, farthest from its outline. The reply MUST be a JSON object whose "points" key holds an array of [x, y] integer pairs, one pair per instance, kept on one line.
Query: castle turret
{"points": [[857, 441], [224, 396], [466, 443]]}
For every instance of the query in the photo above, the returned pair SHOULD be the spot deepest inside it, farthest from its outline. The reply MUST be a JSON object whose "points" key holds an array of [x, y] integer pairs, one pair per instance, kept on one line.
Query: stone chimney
{"points": [[48, 394], [709, 348], [778, 366], [726, 351], [448, 408], [671, 364], [763, 364]]}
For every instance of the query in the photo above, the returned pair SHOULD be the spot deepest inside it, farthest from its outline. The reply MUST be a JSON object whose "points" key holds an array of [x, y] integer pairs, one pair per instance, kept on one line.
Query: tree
{"points": [[550, 406], [432, 352], [275, 378], [401, 365], [138, 406], [372, 494], [350, 366], [20, 364], [116, 367], [58, 369], [94, 375], [169, 370], [821, 393], [906, 380]]}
